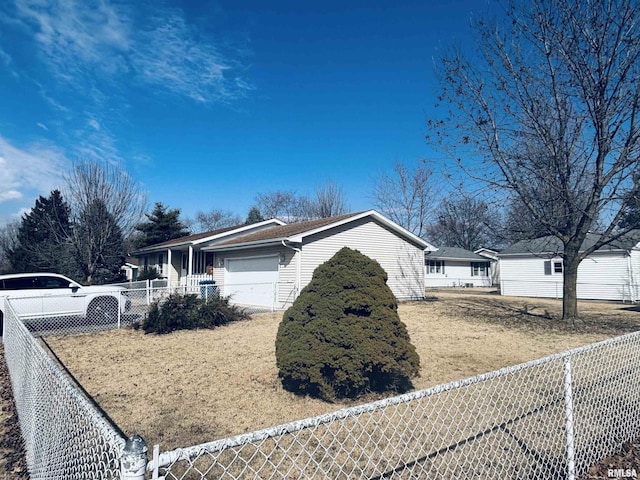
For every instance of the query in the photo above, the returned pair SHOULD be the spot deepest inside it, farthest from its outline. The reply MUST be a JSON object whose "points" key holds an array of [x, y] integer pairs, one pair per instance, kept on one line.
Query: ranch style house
{"points": [[268, 264]]}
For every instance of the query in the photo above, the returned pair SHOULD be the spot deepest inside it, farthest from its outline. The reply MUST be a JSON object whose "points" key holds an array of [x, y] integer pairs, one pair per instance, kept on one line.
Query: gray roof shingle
{"points": [[456, 253], [553, 245]]}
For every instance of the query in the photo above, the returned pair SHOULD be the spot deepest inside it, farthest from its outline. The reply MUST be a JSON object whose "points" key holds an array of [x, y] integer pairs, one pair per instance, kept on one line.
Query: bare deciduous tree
{"points": [[463, 222], [215, 219], [407, 196], [106, 204], [549, 101], [330, 200], [277, 204], [8, 242], [122, 196]]}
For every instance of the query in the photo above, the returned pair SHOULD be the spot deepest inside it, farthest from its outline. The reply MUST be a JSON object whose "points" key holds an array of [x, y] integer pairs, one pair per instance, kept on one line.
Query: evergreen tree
{"points": [[254, 216], [100, 251], [42, 240], [342, 337], [161, 225]]}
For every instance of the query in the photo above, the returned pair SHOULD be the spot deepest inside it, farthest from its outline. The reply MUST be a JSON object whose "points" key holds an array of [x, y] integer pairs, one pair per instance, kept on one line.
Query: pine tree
{"points": [[342, 337], [254, 216], [161, 225], [43, 238]]}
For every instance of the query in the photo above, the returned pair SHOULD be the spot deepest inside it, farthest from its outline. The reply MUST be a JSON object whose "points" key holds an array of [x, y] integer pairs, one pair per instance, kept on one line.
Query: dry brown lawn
{"points": [[191, 387]]}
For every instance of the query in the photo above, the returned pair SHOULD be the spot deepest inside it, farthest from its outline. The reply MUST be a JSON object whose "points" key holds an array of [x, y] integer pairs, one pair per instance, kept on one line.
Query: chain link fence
{"points": [[53, 313], [550, 418], [65, 436]]}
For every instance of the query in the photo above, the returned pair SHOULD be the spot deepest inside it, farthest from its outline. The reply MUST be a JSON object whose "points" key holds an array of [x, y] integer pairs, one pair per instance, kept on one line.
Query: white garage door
{"points": [[251, 281]]}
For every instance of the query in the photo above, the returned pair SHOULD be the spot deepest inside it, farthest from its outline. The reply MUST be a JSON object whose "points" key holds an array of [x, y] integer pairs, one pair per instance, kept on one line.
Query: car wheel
{"points": [[103, 310]]}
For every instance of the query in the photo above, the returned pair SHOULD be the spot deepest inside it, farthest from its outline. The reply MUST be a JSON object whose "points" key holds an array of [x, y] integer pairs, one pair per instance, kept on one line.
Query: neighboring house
{"points": [[456, 267], [492, 255], [534, 268], [130, 269], [182, 260], [271, 266]]}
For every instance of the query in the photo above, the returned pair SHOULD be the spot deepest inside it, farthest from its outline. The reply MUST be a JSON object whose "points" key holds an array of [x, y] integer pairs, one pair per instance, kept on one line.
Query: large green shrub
{"points": [[188, 312], [342, 337]]}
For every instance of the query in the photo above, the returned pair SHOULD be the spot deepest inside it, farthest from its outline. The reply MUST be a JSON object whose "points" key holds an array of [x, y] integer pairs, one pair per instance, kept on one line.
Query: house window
{"points": [[479, 269], [553, 267], [435, 266]]}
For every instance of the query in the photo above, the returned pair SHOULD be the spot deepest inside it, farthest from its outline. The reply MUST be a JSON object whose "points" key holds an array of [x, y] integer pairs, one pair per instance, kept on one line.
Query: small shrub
{"points": [[342, 337], [148, 273], [188, 312]]}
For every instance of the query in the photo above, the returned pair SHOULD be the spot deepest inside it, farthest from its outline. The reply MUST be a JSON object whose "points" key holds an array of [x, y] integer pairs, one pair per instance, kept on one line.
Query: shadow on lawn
{"points": [[541, 317]]}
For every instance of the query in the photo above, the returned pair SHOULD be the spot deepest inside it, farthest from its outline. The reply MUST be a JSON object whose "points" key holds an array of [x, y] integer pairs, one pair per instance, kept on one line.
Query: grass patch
{"points": [[195, 386]]}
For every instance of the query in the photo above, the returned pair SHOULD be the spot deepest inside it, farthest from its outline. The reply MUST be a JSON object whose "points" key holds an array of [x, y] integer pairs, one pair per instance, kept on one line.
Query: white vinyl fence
{"points": [[549, 418]]}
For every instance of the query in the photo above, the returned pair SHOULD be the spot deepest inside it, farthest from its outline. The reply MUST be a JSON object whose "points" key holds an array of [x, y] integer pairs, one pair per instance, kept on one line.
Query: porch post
{"points": [[190, 263], [169, 266]]}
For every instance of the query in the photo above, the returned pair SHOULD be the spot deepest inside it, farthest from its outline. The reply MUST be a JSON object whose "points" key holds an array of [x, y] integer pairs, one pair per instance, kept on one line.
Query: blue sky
{"points": [[208, 103]]}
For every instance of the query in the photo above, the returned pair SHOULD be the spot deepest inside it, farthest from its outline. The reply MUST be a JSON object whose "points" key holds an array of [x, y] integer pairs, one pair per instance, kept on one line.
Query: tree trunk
{"points": [[569, 290]]}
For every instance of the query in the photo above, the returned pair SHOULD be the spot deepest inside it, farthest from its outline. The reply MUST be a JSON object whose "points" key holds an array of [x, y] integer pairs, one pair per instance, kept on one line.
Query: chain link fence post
{"points": [[134, 459], [568, 408]]}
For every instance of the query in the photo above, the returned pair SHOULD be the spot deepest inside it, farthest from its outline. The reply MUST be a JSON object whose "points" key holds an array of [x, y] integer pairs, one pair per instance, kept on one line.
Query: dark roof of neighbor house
{"points": [[553, 245], [131, 261], [286, 232], [456, 253]]}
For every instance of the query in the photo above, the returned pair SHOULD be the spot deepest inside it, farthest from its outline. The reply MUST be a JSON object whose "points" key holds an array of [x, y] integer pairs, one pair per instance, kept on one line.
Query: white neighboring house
{"points": [[534, 268], [456, 267], [270, 267], [130, 269], [492, 255], [182, 260]]}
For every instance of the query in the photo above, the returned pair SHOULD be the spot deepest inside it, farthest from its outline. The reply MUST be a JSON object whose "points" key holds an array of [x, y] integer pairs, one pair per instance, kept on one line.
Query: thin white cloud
{"points": [[93, 123], [25, 173], [81, 39], [42, 126], [168, 55]]}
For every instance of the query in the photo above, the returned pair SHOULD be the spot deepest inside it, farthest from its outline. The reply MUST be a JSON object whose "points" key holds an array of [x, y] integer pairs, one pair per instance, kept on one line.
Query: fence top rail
{"points": [[168, 458]]}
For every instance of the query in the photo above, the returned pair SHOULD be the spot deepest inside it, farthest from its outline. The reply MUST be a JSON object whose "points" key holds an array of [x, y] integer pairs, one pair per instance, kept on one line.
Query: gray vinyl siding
{"points": [[402, 260], [457, 273], [601, 276], [287, 270]]}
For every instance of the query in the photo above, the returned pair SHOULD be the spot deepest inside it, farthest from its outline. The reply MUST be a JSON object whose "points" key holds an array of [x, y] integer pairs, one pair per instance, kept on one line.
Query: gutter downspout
{"points": [[298, 266], [632, 290]]}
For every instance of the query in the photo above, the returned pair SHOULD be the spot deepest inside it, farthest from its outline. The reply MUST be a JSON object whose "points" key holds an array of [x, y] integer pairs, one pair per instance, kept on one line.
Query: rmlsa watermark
{"points": [[622, 473]]}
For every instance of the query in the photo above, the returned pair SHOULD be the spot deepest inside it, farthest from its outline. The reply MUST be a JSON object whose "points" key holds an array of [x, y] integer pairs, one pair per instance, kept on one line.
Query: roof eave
{"points": [[245, 245]]}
